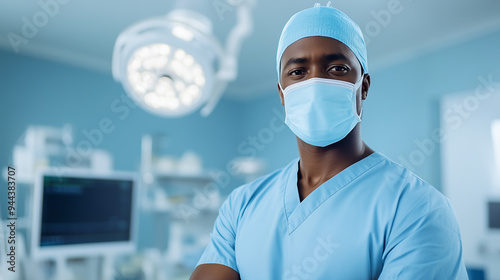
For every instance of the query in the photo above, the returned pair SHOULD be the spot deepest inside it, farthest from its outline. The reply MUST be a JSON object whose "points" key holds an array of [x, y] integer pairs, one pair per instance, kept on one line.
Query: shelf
{"points": [[162, 177]]}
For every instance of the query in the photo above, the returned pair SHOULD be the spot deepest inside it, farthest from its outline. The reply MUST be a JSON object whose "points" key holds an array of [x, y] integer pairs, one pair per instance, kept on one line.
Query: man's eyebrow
{"points": [[335, 56], [327, 57], [295, 60]]}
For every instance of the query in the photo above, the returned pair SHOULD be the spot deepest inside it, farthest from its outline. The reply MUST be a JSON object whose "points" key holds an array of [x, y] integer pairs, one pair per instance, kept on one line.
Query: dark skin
{"points": [[323, 57], [314, 57], [212, 271]]}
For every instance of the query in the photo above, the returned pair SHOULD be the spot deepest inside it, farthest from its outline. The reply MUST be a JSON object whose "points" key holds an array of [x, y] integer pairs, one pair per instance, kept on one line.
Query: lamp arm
{"points": [[218, 89], [228, 69]]}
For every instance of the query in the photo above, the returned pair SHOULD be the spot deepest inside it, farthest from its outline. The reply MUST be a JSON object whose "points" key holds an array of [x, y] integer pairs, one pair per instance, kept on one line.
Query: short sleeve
{"points": [[425, 243], [220, 250]]}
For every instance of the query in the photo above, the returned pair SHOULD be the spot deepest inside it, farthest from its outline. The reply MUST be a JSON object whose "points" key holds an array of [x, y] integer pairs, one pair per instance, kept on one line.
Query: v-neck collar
{"points": [[296, 212]]}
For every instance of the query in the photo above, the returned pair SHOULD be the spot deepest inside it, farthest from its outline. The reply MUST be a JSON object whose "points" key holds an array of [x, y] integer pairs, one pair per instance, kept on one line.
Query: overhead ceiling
{"points": [[83, 33]]}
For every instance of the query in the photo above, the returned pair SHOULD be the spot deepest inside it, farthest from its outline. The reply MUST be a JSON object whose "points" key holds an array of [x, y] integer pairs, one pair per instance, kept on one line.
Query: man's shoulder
{"points": [[413, 196], [408, 201], [406, 185], [263, 183], [244, 197], [397, 174]]}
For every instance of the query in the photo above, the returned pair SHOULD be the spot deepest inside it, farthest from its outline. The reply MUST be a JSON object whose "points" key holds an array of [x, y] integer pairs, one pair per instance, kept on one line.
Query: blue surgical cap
{"points": [[326, 22]]}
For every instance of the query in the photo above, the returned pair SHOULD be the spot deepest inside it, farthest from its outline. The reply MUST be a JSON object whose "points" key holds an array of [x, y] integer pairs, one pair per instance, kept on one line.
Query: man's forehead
{"points": [[324, 47]]}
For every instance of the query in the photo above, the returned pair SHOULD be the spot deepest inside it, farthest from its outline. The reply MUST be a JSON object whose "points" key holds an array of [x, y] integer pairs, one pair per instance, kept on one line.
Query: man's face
{"points": [[321, 57]]}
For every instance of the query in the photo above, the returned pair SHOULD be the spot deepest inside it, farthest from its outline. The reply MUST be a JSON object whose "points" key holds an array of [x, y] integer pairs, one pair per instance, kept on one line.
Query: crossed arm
{"points": [[213, 271]]}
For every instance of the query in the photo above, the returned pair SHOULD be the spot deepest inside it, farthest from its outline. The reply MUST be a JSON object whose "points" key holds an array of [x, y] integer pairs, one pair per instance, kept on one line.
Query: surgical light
{"points": [[167, 65]]}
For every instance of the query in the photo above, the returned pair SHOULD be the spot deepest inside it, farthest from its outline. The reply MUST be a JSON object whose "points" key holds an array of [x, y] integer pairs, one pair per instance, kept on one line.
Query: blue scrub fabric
{"points": [[373, 220]]}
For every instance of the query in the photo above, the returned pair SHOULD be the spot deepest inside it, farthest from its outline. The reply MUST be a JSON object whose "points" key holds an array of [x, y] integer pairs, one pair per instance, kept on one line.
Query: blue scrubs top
{"points": [[373, 220]]}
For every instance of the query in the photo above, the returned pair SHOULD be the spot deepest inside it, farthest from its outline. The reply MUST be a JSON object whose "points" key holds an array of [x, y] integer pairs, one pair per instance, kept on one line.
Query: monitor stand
{"points": [[62, 270], [107, 268]]}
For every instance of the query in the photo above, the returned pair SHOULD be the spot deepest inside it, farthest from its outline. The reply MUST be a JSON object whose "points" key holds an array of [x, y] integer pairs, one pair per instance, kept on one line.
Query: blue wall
{"points": [[403, 106]]}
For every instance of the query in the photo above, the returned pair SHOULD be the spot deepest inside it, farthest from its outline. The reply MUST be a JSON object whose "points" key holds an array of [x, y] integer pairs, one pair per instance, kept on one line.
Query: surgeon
{"points": [[340, 210]]}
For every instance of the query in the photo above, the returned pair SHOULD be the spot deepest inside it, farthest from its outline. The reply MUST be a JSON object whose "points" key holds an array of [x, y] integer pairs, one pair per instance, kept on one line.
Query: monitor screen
{"points": [[85, 210], [494, 214], [75, 212]]}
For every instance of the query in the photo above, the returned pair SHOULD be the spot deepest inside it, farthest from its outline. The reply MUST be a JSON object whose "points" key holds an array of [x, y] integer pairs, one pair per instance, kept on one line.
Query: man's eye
{"points": [[339, 68], [297, 72]]}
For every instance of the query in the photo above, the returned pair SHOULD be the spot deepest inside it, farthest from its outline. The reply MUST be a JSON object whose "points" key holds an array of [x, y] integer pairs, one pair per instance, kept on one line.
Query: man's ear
{"points": [[365, 85], [281, 94]]}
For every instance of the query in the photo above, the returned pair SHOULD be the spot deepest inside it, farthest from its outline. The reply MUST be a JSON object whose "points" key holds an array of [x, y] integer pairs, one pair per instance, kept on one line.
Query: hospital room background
{"points": [[72, 108]]}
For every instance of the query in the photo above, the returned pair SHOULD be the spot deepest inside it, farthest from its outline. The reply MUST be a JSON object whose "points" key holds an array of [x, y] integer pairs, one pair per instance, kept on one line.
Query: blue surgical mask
{"points": [[321, 111]]}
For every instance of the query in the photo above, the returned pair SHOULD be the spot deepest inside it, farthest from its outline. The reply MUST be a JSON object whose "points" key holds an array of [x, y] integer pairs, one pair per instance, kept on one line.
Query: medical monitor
{"points": [[83, 213], [494, 214]]}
